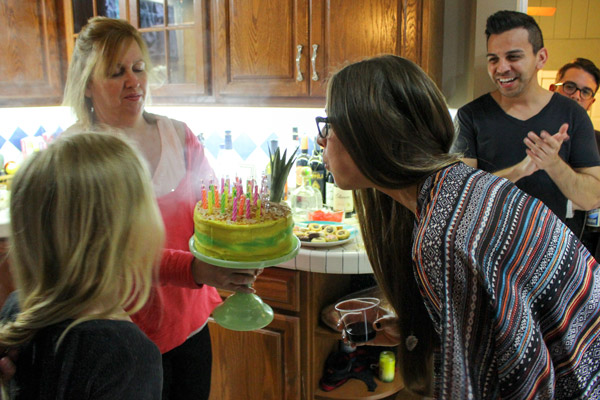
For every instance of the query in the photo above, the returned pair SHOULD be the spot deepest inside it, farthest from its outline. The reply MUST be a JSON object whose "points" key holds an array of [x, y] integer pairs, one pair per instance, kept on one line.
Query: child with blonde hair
{"points": [[86, 236]]}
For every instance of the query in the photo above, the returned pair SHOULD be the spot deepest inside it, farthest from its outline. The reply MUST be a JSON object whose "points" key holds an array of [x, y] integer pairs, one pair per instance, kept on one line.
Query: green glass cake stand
{"points": [[244, 311]]}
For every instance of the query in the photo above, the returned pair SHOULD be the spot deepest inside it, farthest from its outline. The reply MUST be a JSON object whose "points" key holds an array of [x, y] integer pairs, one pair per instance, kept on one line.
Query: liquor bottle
{"points": [[302, 160], [318, 170], [305, 198], [329, 185], [227, 159]]}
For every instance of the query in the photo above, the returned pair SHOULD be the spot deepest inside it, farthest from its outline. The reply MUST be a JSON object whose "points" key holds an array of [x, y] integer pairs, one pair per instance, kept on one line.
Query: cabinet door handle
{"points": [[299, 76], [313, 60]]}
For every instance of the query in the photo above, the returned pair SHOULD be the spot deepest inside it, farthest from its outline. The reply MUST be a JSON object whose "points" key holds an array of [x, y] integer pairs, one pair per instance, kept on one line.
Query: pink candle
{"points": [[234, 209], [248, 207]]}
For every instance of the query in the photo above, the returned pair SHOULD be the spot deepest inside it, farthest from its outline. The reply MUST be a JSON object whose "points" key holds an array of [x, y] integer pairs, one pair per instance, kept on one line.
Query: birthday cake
{"points": [[234, 226]]}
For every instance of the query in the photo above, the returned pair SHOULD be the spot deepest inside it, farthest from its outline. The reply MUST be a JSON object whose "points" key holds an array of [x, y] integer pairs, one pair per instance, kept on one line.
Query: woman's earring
{"points": [[411, 342]]}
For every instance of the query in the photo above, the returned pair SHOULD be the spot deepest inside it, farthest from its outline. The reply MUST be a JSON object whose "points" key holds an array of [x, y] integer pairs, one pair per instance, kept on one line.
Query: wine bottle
{"points": [[318, 170], [302, 160], [329, 185], [343, 201]]}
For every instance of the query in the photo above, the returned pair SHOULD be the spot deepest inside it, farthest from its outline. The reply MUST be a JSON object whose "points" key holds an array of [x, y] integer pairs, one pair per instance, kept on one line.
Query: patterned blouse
{"points": [[512, 293]]}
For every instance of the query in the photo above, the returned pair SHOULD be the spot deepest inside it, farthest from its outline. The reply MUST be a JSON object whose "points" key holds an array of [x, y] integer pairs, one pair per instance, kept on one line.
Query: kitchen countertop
{"points": [[348, 258]]}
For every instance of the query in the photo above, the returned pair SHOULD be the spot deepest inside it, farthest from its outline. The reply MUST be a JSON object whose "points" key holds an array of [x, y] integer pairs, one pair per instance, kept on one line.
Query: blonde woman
{"points": [[86, 236], [107, 85]]}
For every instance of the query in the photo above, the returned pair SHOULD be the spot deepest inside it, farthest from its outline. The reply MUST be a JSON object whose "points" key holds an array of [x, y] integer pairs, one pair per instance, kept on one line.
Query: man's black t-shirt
{"points": [[495, 139]]}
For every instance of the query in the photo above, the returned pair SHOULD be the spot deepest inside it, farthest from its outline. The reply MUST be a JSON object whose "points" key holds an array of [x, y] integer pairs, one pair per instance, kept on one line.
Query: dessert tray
{"points": [[349, 228]]}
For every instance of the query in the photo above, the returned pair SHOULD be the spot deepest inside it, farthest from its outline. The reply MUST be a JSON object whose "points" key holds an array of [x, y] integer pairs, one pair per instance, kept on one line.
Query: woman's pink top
{"points": [[178, 307]]}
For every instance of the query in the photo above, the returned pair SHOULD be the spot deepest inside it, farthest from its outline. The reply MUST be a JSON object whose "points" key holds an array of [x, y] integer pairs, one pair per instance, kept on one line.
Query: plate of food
{"points": [[323, 233]]}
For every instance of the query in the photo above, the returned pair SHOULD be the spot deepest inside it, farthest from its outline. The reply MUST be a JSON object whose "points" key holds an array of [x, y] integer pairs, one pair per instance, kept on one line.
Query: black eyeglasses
{"points": [[323, 127], [570, 88]]}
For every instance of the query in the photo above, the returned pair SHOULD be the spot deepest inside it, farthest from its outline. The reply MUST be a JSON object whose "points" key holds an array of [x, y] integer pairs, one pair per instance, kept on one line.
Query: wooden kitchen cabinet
{"points": [[283, 361], [285, 50], [244, 52], [32, 58]]}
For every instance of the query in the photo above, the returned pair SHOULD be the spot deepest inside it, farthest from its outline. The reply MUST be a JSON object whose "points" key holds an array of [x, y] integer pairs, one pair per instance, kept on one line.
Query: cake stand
{"points": [[244, 311]]}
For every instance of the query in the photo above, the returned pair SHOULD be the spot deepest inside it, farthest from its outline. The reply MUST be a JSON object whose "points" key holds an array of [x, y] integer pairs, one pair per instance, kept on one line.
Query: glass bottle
{"points": [[227, 159], [305, 198], [318, 170], [302, 160], [343, 201], [329, 185]]}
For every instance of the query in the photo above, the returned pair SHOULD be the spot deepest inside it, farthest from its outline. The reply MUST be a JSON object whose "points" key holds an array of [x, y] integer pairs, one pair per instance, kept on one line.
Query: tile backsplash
{"points": [[251, 128]]}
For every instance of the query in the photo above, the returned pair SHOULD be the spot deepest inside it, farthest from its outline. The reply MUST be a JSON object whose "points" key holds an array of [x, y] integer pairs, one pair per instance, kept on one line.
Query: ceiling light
{"points": [[541, 11]]}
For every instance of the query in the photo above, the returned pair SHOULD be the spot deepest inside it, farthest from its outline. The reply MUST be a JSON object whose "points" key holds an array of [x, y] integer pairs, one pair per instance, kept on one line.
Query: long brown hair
{"points": [[395, 124]]}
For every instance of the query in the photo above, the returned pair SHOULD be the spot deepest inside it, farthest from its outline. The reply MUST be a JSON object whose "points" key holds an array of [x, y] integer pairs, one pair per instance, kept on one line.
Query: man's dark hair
{"points": [[506, 20], [580, 63]]}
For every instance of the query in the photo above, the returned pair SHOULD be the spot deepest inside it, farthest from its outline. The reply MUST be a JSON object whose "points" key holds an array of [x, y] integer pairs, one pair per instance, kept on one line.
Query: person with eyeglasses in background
{"points": [[579, 80], [537, 139]]}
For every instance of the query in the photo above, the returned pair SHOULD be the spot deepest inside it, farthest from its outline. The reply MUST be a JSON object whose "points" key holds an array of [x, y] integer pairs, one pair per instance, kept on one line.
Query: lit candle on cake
{"points": [[211, 201], [242, 205], [248, 207], [234, 209], [204, 202], [223, 203]]}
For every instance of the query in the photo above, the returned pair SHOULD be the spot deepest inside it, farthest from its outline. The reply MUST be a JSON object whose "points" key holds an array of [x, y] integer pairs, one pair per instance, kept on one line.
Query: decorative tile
{"points": [[212, 143], [244, 146], [2, 141], [16, 137], [265, 145], [40, 131]]}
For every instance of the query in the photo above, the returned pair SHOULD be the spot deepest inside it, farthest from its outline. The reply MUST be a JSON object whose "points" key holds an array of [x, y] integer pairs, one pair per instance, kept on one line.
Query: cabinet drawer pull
{"points": [[299, 76], [313, 60]]}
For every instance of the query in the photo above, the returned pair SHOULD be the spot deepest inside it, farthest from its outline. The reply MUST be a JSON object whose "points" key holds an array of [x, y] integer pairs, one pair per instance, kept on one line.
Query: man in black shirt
{"points": [[540, 140]]}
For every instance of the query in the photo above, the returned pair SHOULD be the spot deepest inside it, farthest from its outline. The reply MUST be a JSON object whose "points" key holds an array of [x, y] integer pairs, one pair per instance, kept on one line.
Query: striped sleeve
{"points": [[513, 293]]}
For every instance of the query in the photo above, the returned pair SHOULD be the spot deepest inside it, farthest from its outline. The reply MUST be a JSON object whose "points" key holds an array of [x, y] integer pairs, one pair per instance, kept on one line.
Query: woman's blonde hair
{"points": [[86, 234], [395, 125], [97, 50]]}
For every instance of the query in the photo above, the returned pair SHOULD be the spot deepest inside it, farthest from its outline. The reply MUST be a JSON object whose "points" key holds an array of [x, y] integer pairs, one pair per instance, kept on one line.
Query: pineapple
{"points": [[280, 169]]}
